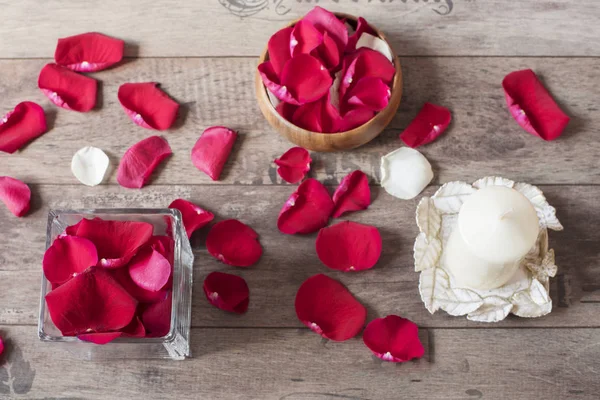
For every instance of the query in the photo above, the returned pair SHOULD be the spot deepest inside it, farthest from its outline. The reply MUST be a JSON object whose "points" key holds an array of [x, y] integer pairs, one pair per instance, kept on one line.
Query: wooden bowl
{"points": [[317, 141]]}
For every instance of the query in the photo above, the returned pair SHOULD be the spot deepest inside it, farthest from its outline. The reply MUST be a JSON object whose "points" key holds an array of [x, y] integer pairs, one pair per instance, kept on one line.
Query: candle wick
{"points": [[507, 212]]}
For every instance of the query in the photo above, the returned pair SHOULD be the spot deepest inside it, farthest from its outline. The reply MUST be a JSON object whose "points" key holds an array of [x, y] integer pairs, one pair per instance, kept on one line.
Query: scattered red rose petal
{"points": [[1, 346], [304, 38], [349, 246], [99, 338], [307, 210], [234, 243], [150, 270], [89, 52], [212, 149], [21, 125], [354, 118], [532, 106], [393, 339], [15, 194], [362, 26], [157, 318], [329, 309], [194, 217], [279, 49], [135, 328], [140, 160], [227, 292], [68, 89], [429, 123], [294, 164], [148, 106], [326, 21], [353, 194], [370, 93], [90, 302], [67, 257], [319, 116], [121, 275]]}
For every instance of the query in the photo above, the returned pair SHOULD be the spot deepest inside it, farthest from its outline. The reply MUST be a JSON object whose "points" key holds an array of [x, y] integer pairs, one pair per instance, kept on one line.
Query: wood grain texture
{"points": [[166, 28], [482, 140]]}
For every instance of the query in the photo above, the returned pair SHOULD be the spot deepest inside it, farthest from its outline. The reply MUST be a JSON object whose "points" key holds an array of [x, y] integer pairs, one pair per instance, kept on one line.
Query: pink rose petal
{"points": [[150, 270]]}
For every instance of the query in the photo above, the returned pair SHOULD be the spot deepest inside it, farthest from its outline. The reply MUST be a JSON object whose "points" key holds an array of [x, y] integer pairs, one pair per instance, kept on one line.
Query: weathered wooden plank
{"points": [[207, 28], [483, 139], [391, 287]]}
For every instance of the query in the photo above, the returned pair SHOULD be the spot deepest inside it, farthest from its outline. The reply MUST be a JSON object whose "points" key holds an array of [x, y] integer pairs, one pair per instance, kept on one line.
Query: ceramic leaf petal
{"points": [[427, 252], [524, 306], [450, 197], [538, 293], [429, 219], [493, 181], [545, 212], [433, 284], [494, 309], [460, 301]]}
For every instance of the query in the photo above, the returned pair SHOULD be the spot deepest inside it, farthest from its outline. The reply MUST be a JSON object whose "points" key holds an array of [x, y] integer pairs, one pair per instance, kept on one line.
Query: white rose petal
{"points": [[375, 43], [405, 173], [89, 165]]}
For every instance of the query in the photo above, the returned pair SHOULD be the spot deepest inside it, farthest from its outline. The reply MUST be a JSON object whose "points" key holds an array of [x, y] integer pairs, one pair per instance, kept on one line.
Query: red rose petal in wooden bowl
{"points": [[89, 52], [194, 217], [227, 292], [279, 49], [326, 22], [68, 89], [393, 339], [15, 194], [67, 257], [140, 160], [235, 243], [147, 105], [304, 38], [318, 116], [353, 194], [293, 165], [307, 210], [362, 26], [212, 149], [365, 63], [23, 124], [429, 123], [370, 93]]}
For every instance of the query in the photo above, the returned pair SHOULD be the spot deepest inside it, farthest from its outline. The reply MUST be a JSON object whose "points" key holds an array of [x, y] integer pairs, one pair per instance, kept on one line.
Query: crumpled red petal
{"points": [[99, 338], [429, 123], [353, 194], [326, 21], [150, 270], [307, 210], [135, 328], [279, 49], [67, 257], [362, 26], [140, 160], [329, 309], [349, 246], [393, 339], [227, 292], [89, 52], [365, 63], [147, 105], [354, 118], [90, 302], [319, 116], [157, 318], [116, 241], [370, 93], [15, 194], [194, 217], [211, 151], [121, 275], [304, 38], [532, 106], [294, 164], [23, 124], [68, 89], [234, 243]]}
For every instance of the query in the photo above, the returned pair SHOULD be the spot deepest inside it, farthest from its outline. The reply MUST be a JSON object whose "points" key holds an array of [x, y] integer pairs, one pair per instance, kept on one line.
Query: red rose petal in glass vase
{"points": [[140, 160], [67, 257], [393, 339], [99, 338], [304, 38], [23, 124], [68, 89], [532, 106], [89, 52], [211, 151], [121, 275], [194, 217], [15, 194], [329, 309], [147, 105], [294, 164], [307, 210], [150, 270], [353, 194], [135, 328], [429, 123], [235, 243], [326, 21], [157, 318], [227, 292]]}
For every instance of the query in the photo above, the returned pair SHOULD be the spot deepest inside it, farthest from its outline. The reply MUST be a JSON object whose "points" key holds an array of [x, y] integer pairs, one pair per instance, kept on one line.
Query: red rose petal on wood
{"points": [[89, 52], [150, 270], [21, 125], [227, 292], [135, 328], [370, 93], [15, 194], [355, 118], [319, 116], [194, 217], [279, 49], [393, 339], [329, 309], [99, 338], [532, 106], [294, 164], [90, 302], [349, 246], [307, 210], [305, 78], [121, 275], [304, 38], [212, 149], [362, 26], [68, 89], [148, 106], [326, 21], [140, 160], [67, 257], [157, 318], [234, 243], [353, 194], [1, 346], [429, 123]]}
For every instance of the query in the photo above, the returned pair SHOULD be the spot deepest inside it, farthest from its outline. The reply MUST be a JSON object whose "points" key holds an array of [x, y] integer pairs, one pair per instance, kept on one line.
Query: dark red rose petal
{"points": [[304, 38], [15, 194], [157, 318], [532, 106], [294, 164], [286, 110], [353, 194], [148, 106], [135, 328], [319, 116], [329, 309], [279, 49], [67, 257], [150, 270], [429, 123], [99, 338], [365, 63], [393, 339], [307, 210], [21, 125], [305, 78], [89, 52], [68, 89], [90, 302], [227, 292], [326, 21], [362, 26], [194, 217], [234, 243], [370, 93], [349, 246], [212, 149], [140, 160], [121, 275]]}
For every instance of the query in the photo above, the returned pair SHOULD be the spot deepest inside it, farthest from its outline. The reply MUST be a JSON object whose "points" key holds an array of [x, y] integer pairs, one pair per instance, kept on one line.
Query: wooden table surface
{"points": [[204, 53]]}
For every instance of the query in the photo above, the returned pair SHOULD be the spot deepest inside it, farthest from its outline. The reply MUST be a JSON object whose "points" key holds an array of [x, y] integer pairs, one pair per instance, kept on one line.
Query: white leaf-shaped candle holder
{"points": [[525, 295]]}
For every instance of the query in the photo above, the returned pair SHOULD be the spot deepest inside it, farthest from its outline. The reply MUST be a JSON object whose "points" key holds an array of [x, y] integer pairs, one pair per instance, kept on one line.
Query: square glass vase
{"points": [[176, 344]]}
